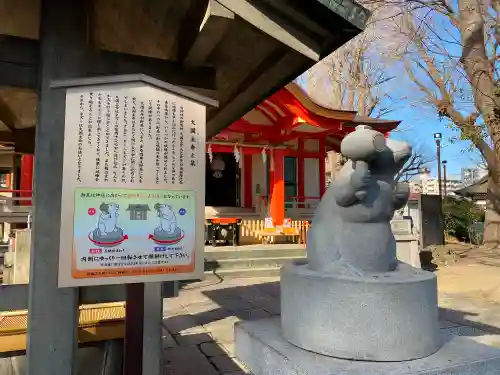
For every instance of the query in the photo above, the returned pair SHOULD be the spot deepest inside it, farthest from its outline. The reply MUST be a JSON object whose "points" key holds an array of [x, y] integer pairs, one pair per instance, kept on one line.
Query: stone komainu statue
{"points": [[352, 298], [351, 232]]}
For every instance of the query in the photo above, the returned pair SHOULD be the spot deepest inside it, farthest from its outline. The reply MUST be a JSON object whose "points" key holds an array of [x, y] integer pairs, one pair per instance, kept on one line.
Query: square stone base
{"points": [[261, 347]]}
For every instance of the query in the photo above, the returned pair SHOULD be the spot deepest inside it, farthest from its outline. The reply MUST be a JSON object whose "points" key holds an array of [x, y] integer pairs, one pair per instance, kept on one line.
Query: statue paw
{"points": [[360, 179]]}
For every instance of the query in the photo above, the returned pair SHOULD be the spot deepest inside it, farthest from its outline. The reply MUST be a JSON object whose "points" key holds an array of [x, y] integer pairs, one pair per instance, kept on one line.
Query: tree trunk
{"points": [[492, 220]]}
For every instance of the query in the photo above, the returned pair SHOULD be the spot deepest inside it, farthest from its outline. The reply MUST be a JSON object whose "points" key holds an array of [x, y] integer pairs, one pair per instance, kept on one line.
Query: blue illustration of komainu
{"points": [[107, 229]]}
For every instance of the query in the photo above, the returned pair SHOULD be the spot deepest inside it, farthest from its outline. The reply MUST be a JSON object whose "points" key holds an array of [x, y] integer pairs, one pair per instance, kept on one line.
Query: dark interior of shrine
{"points": [[221, 181]]}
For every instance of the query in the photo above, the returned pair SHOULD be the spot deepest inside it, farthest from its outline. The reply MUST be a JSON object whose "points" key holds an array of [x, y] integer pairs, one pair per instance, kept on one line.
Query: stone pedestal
{"points": [[261, 346], [352, 308], [390, 316]]}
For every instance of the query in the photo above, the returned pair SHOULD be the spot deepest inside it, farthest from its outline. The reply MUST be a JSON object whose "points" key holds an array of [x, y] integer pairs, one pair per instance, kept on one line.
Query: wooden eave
{"points": [[291, 114], [237, 52]]}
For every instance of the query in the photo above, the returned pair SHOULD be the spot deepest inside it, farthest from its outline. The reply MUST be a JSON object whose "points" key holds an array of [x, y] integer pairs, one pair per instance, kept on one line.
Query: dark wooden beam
{"points": [[6, 137], [15, 75], [278, 67], [19, 66], [190, 26], [7, 116], [18, 62], [20, 51], [276, 27], [24, 140], [113, 63], [216, 22]]}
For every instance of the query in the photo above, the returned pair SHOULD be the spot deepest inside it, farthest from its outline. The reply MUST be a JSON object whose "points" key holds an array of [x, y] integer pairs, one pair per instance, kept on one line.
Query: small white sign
{"points": [[401, 226], [268, 223], [287, 223], [133, 185]]}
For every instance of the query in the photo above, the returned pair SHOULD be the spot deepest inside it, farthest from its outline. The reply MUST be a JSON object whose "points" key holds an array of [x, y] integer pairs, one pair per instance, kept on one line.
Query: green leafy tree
{"points": [[460, 215]]}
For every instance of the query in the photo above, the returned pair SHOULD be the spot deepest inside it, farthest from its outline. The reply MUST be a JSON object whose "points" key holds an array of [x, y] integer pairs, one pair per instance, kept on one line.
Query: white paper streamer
{"points": [[237, 155], [209, 152], [264, 155]]}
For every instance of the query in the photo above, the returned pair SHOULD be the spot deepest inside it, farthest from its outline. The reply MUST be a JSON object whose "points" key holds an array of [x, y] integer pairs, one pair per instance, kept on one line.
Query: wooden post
{"points": [[278, 191], [26, 177], [134, 318], [52, 311], [300, 172], [152, 321], [144, 314]]}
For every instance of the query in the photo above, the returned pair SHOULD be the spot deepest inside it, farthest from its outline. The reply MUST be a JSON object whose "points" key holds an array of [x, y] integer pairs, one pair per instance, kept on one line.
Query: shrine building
{"points": [[268, 164], [271, 162]]}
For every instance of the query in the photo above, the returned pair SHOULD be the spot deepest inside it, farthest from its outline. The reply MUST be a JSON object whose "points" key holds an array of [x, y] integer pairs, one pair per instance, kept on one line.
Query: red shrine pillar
{"points": [[278, 188], [247, 180], [26, 178], [300, 171]]}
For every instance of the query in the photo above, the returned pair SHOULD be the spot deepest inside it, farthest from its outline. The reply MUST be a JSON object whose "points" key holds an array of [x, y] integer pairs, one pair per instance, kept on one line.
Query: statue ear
{"points": [[157, 206]]}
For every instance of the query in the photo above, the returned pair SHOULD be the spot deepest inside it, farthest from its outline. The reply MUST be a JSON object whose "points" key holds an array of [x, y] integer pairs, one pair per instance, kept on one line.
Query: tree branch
{"points": [[414, 165]]}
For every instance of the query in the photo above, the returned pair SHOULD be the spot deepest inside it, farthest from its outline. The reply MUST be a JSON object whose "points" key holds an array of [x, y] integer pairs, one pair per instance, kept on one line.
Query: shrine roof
{"points": [[236, 52], [477, 189], [290, 114]]}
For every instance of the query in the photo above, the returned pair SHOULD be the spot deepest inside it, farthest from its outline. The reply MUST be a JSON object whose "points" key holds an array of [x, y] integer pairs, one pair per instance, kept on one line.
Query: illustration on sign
{"points": [[167, 232], [108, 243]]}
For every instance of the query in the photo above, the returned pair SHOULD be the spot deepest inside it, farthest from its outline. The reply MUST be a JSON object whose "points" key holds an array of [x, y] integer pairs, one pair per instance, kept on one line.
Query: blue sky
{"points": [[421, 125], [422, 121], [419, 120]]}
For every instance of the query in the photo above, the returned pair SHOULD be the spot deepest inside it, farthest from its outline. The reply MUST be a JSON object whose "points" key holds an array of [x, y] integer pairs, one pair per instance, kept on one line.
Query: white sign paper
{"points": [[133, 186]]}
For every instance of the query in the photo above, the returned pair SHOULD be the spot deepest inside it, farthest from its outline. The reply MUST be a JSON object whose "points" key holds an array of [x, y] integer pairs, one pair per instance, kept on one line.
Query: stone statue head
{"points": [[383, 156]]}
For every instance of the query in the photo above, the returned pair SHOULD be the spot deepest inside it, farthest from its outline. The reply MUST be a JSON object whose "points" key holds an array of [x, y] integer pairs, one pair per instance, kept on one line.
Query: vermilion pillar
{"points": [[300, 171], [278, 190], [26, 178], [247, 180]]}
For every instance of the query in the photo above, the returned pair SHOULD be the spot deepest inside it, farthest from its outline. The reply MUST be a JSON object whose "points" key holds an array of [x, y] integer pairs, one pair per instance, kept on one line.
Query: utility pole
{"points": [[444, 180], [437, 139]]}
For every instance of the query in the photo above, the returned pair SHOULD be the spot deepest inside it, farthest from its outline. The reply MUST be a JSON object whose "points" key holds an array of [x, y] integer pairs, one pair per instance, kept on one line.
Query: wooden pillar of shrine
{"points": [[278, 188], [53, 311], [26, 180], [300, 172]]}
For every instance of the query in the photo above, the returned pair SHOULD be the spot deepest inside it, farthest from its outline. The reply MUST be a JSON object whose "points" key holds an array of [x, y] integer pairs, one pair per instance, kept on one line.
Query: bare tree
{"points": [[451, 55], [413, 167], [355, 78], [352, 78]]}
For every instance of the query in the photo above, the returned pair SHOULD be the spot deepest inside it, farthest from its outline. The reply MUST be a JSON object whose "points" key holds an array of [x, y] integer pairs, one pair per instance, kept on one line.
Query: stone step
{"points": [[241, 253], [244, 263], [246, 273]]}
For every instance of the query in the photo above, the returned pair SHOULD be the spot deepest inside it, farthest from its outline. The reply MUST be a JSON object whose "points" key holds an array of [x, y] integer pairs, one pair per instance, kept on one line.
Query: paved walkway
{"points": [[198, 325]]}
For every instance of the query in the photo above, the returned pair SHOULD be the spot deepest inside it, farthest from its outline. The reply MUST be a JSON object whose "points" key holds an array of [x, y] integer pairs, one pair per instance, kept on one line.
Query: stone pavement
{"points": [[198, 325]]}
